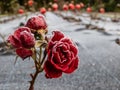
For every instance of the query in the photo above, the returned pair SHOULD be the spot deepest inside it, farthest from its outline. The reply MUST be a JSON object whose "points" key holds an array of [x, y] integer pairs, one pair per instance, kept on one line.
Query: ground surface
{"points": [[99, 67]]}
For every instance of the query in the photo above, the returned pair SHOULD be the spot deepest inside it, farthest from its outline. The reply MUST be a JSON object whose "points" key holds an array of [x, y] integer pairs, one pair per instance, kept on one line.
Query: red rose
{"points": [[30, 2], [36, 23], [20, 11], [77, 6], [55, 7], [65, 7], [71, 6], [22, 40], [89, 9], [42, 10], [62, 56], [102, 10], [82, 4]]}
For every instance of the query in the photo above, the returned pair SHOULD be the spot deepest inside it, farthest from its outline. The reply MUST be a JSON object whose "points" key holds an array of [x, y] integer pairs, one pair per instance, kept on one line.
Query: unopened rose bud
{"points": [[36, 23]]}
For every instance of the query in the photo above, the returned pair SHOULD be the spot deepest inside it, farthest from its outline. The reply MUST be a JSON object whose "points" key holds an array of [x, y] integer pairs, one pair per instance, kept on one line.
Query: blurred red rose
{"points": [[36, 23], [62, 56], [77, 6], [55, 7], [82, 4], [89, 9], [65, 7], [20, 11], [30, 2], [22, 39], [102, 10], [71, 6], [42, 10]]}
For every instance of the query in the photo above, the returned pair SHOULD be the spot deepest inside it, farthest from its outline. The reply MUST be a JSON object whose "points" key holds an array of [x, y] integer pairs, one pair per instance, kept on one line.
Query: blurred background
{"points": [[12, 6]]}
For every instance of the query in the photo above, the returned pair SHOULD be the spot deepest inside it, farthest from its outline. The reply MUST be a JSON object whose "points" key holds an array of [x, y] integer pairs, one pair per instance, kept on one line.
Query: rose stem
{"points": [[45, 53], [35, 74], [40, 54], [33, 80]]}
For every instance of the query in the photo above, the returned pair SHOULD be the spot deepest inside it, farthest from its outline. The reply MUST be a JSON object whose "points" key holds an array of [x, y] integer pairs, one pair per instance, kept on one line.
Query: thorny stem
{"points": [[33, 80], [35, 74]]}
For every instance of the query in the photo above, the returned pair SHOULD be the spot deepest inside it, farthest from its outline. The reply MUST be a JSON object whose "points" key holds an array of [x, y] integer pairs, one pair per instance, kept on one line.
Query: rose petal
{"points": [[66, 40], [51, 71], [14, 41], [27, 39], [57, 62], [57, 36], [73, 66], [19, 30], [73, 49], [24, 53]]}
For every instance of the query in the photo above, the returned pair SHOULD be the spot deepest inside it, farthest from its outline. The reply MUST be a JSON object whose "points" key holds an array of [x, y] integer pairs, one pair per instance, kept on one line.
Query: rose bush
{"points": [[62, 56]]}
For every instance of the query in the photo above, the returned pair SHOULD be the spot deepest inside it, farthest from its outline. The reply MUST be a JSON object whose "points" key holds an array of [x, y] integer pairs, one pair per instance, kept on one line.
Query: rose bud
{"points": [[62, 56], [65, 7], [42, 10], [20, 11], [89, 9], [22, 37], [77, 6], [30, 2], [55, 7], [71, 6], [82, 5], [102, 10], [36, 23]]}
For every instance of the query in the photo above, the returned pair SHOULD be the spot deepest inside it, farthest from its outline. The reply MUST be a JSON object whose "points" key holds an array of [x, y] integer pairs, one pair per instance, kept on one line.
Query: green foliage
{"points": [[7, 6]]}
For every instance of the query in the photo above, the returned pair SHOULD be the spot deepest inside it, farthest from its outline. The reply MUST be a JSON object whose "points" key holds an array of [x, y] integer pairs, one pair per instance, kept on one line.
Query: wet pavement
{"points": [[99, 67]]}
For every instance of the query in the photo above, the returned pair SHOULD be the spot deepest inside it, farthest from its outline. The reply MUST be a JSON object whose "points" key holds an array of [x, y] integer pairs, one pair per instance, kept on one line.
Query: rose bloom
{"points": [[82, 4], [77, 6], [62, 56], [65, 7], [55, 7], [89, 9], [22, 40], [20, 11], [30, 2], [71, 6], [36, 23], [42, 10], [102, 10]]}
